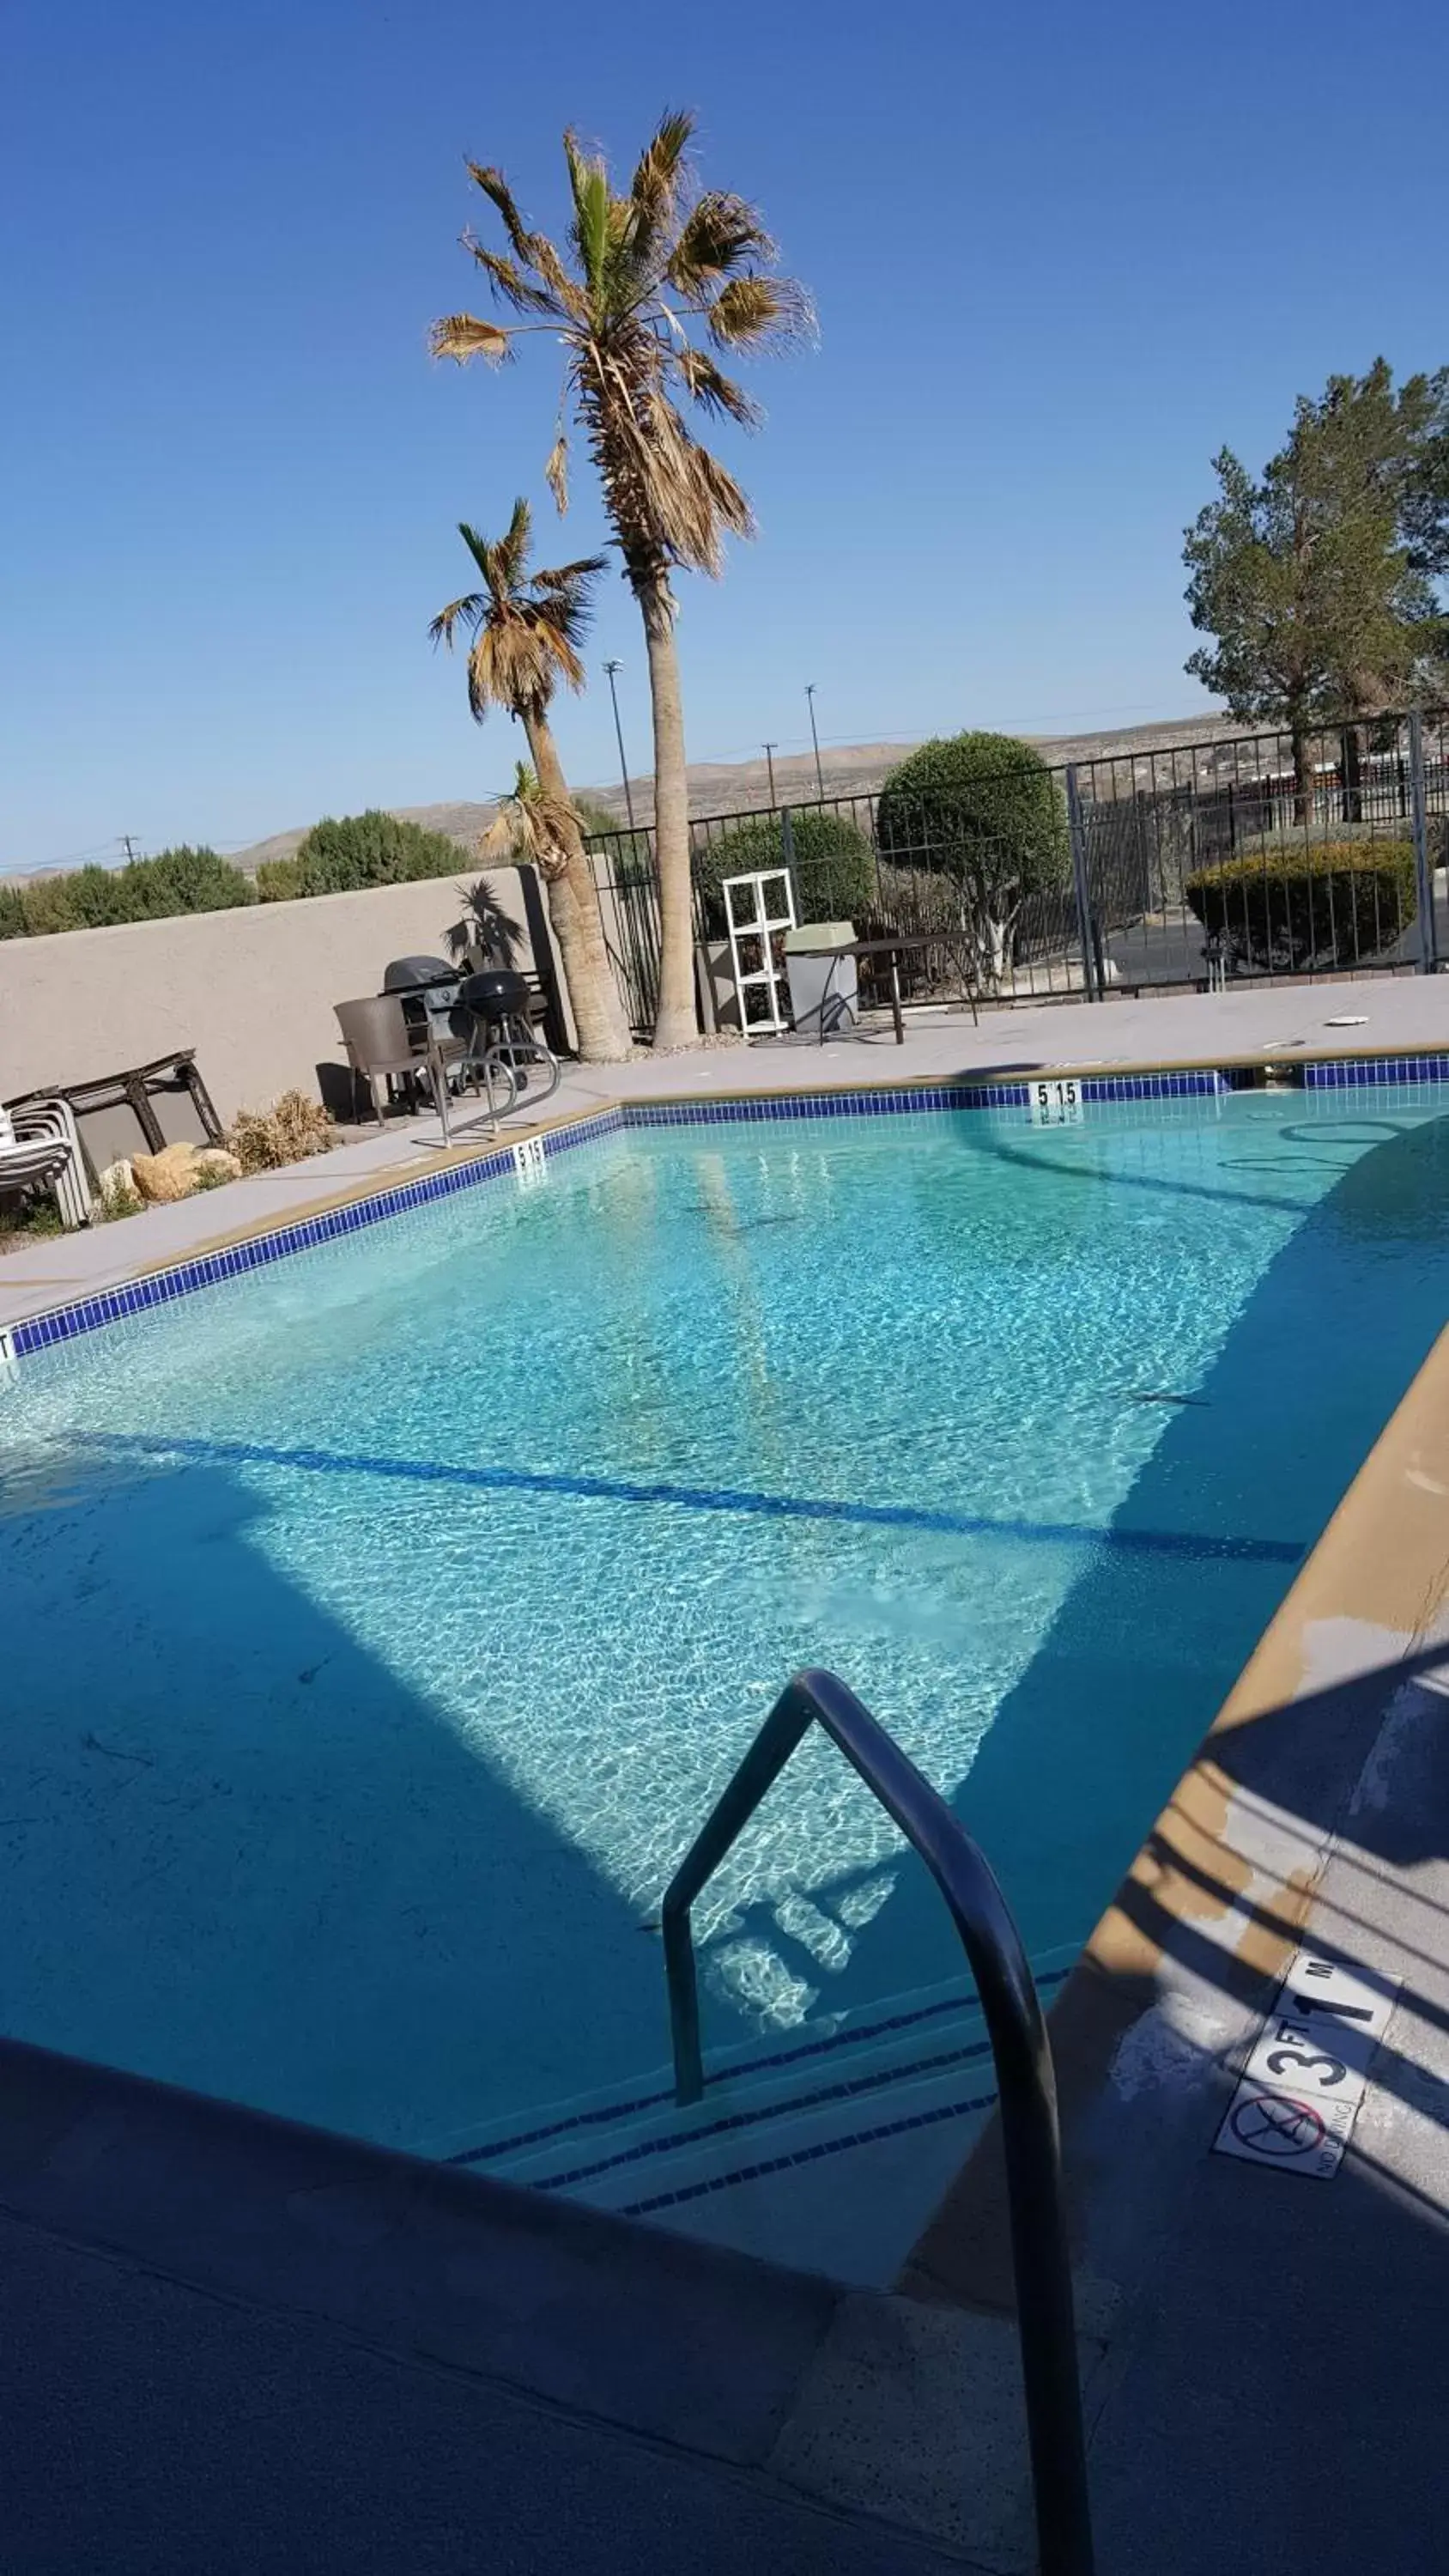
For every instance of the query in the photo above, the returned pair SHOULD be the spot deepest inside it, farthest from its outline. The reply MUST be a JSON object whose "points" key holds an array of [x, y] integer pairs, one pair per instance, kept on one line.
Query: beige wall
{"points": [[252, 991]]}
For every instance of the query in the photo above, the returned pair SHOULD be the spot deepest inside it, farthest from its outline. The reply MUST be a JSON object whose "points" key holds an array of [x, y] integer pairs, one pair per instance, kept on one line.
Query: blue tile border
{"points": [[161, 1287], [208, 1270], [1348, 1073], [858, 2035], [806, 2156]]}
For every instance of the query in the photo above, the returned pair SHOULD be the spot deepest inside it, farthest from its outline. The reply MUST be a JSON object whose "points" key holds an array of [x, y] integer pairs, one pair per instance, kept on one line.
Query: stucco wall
{"points": [[252, 991]]}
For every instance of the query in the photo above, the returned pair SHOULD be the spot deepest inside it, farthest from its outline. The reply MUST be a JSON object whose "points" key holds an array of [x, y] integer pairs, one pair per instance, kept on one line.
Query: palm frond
{"points": [[725, 499], [714, 391], [556, 473], [563, 576], [592, 231], [467, 611], [509, 281], [654, 189], [498, 192], [750, 310], [531, 825], [513, 550], [719, 233], [482, 553], [535, 250], [464, 336]]}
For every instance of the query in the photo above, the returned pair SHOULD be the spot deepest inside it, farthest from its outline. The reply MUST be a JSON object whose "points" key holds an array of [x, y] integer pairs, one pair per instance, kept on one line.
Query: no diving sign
{"points": [[1300, 2091]]}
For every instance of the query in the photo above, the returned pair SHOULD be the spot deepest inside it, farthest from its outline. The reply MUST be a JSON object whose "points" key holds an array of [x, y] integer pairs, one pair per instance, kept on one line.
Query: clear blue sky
{"points": [[1060, 254]]}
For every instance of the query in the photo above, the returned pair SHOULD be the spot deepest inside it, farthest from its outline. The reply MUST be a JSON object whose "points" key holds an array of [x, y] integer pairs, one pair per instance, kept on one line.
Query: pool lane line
{"points": [[1196, 1545]]}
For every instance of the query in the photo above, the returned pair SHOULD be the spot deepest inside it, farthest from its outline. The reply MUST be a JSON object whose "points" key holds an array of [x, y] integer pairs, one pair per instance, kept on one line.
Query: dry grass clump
{"points": [[263, 1140]]}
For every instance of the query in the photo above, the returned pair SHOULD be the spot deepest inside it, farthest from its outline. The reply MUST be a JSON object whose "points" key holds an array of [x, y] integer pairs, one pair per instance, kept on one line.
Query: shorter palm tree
{"points": [[526, 630]]}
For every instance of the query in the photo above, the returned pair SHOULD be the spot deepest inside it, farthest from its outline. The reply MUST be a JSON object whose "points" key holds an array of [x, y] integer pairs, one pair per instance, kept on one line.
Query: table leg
{"points": [[896, 998]]}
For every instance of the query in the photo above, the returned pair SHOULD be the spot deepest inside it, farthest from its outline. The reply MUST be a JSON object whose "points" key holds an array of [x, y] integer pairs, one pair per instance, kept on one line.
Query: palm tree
{"points": [[527, 629], [641, 269]]}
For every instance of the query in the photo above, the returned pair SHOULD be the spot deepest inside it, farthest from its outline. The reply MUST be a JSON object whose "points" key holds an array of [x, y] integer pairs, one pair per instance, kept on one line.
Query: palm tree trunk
{"points": [[675, 1024], [573, 909]]}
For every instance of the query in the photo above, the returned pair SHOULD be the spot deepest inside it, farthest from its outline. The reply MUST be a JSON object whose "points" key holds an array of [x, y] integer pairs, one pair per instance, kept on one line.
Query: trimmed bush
{"points": [[371, 849], [833, 874], [1323, 904], [982, 809]]}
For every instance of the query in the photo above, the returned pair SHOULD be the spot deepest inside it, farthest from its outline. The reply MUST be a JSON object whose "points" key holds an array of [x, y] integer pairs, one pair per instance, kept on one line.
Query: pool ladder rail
{"points": [[1020, 2049]]}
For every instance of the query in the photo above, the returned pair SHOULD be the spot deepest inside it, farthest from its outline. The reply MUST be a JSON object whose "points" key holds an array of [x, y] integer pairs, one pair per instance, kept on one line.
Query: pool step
{"points": [[829, 2146]]}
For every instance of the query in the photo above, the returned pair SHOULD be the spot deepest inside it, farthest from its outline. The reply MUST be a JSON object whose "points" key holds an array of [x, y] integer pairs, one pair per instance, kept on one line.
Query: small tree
{"points": [[1308, 581], [983, 810], [371, 849], [527, 627]]}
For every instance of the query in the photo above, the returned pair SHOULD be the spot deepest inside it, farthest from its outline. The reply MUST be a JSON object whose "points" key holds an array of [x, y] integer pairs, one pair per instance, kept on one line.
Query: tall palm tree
{"points": [[527, 629], [640, 271]]}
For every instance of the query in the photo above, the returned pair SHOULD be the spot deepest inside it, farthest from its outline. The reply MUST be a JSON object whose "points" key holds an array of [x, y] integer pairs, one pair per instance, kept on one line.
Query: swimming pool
{"points": [[380, 1627]]}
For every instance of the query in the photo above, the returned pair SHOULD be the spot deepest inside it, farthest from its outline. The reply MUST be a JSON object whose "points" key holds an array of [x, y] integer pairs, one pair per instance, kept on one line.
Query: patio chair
{"points": [[39, 1147], [381, 1045]]}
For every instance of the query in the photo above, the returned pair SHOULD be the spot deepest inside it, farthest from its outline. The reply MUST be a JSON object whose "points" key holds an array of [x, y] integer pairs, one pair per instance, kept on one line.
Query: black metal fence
{"points": [[1209, 863]]}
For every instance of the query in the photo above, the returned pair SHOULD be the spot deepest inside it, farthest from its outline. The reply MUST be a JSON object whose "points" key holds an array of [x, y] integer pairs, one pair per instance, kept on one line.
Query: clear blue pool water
{"points": [[379, 1628]]}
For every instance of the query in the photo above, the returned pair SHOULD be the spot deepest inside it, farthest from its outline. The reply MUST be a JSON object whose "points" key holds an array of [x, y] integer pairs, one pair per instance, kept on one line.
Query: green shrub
{"points": [[12, 913], [83, 899], [985, 811], [371, 849], [279, 880], [833, 873], [181, 880], [1323, 903], [980, 805], [95, 898]]}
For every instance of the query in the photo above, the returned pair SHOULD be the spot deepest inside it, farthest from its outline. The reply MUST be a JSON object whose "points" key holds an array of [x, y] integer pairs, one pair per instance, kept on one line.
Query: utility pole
{"points": [[814, 736], [770, 749], [612, 668], [127, 841]]}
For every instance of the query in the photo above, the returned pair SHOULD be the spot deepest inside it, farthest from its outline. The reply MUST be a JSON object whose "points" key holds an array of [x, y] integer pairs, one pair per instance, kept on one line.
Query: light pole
{"points": [[611, 668], [770, 749], [814, 736]]}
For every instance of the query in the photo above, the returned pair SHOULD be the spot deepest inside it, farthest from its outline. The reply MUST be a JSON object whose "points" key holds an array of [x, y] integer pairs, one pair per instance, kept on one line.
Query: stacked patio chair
{"points": [[39, 1145]]}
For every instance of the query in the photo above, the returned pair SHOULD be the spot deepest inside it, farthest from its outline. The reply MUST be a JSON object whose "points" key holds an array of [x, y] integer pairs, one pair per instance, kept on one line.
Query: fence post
{"points": [[1077, 832], [1423, 873]]}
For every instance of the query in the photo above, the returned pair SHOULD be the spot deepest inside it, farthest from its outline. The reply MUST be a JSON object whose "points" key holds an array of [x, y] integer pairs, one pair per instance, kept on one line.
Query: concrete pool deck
{"points": [[1381, 1016]]}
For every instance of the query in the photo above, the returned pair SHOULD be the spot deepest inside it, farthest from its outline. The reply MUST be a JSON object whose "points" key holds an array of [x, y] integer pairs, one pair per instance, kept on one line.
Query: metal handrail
{"points": [[1019, 2046]]}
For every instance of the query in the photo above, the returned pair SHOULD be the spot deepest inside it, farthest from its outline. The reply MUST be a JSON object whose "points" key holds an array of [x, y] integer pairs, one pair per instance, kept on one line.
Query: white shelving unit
{"points": [[759, 910]]}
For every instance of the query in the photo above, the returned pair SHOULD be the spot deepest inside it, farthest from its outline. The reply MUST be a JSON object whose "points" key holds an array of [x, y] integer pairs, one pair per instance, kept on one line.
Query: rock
{"points": [[117, 1186], [179, 1169], [171, 1174]]}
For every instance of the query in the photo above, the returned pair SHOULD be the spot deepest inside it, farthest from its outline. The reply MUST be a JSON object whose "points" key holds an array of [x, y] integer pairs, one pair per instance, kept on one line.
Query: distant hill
{"points": [[737, 787]]}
